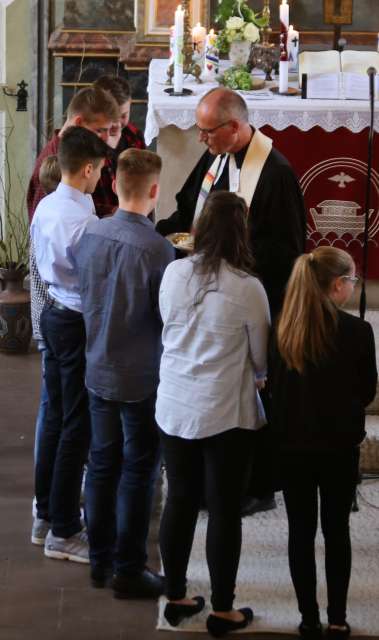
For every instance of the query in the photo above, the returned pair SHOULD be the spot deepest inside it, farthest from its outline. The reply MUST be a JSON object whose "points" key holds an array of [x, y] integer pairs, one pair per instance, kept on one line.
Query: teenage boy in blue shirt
{"points": [[121, 262]]}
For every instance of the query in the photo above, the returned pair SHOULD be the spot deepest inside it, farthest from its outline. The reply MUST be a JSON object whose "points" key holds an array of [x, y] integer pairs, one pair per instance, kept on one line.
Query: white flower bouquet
{"points": [[238, 23]]}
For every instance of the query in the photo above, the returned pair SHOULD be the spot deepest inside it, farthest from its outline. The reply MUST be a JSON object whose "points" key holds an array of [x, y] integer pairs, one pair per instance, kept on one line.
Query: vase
{"points": [[15, 320], [239, 52]]}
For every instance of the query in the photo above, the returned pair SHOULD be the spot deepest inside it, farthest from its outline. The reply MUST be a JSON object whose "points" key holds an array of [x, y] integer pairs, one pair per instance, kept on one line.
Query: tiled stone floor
{"points": [[42, 599]]}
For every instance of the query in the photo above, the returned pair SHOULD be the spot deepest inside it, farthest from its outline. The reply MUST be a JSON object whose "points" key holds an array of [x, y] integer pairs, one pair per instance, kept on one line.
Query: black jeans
{"points": [[221, 463], [65, 439], [334, 476], [123, 466]]}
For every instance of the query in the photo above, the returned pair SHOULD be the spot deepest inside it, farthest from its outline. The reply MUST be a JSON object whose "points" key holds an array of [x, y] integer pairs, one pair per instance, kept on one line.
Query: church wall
{"points": [[17, 124]]}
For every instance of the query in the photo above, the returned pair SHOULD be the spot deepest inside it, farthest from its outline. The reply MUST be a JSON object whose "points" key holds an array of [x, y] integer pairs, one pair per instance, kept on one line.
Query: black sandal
{"points": [[218, 627], [338, 634], [310, 632], [175, 612]]}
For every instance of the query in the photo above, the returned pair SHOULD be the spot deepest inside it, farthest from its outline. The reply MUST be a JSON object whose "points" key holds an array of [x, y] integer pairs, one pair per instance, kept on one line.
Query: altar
{"points": [[324, 140]]}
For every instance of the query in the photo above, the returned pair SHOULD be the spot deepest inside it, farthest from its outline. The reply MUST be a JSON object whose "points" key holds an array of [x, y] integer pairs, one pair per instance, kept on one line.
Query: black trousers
{"points": [[332, 476], [219, 465], [65, 438]]}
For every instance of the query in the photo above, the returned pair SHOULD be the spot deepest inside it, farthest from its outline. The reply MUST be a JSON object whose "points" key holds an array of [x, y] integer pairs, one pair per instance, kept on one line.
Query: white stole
{"points": [[243, 182]]}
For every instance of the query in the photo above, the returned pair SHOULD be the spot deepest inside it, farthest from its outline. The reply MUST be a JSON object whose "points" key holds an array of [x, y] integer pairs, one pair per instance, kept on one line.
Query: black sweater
{"points": [[324, 409]]}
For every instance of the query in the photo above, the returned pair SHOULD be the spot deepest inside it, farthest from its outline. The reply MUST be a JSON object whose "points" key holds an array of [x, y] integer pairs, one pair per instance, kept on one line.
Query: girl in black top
{"points": [[323, 375]]}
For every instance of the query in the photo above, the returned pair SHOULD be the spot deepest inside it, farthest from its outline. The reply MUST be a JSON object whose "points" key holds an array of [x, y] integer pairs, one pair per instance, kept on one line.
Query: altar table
{"points": [[324, 140]]}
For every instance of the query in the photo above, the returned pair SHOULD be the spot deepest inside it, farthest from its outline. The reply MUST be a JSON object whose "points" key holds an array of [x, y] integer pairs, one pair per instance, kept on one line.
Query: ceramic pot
{"points": [[15, 320], [239, 52]]}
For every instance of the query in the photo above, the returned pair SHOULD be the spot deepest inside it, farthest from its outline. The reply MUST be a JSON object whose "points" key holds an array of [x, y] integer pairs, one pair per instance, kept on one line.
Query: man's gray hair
{"points": [[230, 105]]}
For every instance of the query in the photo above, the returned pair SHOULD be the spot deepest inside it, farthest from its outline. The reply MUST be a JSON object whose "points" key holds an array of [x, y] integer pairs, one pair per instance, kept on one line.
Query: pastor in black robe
{"points": [[277, 220]]}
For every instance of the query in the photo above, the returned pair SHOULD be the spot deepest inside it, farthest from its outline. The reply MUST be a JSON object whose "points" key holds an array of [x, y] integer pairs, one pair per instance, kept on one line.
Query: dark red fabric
{"points": [[35, 191], [332, 170]]}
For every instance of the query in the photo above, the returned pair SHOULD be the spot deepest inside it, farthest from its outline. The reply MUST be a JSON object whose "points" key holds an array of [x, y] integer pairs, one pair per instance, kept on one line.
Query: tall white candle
{"points": [[284, 13], [283, 76], [172, 44], [178, 55], [293, 48]]}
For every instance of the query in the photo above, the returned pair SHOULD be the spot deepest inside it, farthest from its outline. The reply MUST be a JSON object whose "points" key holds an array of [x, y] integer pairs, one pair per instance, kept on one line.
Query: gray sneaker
{"points": [[40, 530], [74, 548]]}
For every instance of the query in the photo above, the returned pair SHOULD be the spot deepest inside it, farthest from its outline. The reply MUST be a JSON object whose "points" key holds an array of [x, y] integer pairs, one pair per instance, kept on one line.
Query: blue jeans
{"points": [[122, 470], [64, 440], [41, 416]]}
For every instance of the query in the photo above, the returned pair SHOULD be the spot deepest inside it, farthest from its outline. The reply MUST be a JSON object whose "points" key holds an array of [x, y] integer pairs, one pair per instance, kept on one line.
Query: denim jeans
{"points": [[64, 440], [122, 469], [41, 416]]}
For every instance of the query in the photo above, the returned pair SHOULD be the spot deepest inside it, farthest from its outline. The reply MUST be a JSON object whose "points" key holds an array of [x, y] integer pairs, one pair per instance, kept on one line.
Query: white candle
{"points": [[283, 76], [198, 34], [293, 48], [284, 13], [172, 44], [178, 51], [211, 63]]}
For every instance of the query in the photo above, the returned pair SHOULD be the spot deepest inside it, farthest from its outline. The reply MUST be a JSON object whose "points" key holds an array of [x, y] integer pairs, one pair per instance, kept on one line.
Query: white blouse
{"points": [[212, 352]]}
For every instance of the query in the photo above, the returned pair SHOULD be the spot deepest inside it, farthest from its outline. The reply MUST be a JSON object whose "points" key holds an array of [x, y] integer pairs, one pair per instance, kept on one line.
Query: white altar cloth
{"points": [[279, 112]]}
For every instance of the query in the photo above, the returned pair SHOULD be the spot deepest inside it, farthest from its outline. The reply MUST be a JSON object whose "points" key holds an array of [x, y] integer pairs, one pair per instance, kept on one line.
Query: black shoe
{"points": [[146, 584], [175, 613], [310, 632], [218, 627], [101, 577], [338, 634], [254, 505]]}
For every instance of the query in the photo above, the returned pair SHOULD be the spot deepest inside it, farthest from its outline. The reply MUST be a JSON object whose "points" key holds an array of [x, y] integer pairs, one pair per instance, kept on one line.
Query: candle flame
{"points": [[212, 32], [179, 8]]}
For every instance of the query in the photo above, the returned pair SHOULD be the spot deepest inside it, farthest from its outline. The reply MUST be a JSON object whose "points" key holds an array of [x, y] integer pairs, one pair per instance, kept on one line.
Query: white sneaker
{"points": [[40, 530], [74, 548]]}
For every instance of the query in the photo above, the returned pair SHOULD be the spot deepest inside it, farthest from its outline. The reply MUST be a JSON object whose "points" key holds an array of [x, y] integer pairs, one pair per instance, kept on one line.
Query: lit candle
{"points": [[283, 63], [211, 63], [198, 34], [293, 48], [178, 51], [284, 14]]}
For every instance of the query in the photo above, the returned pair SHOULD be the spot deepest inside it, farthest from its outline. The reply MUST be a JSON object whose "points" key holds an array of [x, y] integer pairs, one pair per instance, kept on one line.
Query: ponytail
{"points": [[308, 321]]}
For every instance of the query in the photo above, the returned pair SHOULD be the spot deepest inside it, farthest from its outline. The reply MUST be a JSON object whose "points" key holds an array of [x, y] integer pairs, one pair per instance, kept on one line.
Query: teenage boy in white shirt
{"points": [[58, 224]]}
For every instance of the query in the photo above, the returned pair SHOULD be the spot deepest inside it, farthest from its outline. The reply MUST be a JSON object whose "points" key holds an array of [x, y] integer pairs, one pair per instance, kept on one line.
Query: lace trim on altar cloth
{"points": [[279, 113]]}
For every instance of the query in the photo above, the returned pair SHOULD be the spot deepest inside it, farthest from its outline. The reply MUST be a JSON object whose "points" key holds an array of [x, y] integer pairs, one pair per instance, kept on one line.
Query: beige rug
{"points": [[264, 581]]}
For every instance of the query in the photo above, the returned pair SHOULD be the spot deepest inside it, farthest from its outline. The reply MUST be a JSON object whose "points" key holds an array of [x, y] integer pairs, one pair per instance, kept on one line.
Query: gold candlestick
{"points": [[189, 66], [266, 31], [264, 53]]}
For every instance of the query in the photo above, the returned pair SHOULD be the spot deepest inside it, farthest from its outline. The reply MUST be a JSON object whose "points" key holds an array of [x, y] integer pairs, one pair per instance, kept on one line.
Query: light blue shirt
{"points": [[213, 352], [58, 224]]}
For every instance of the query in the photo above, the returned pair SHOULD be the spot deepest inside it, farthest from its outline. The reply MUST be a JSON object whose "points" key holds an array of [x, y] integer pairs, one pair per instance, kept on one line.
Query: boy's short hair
{"points": [[50, 174], [91, 102], [134, 168], [79, 146], [118, 87]]}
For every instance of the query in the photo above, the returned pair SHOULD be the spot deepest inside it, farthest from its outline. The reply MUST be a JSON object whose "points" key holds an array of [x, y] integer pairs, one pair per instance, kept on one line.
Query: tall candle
{"points": [[293, 48], [283, 63], [284, 14], [178, 50], [199, 35], [172, 44], [211, 63]]}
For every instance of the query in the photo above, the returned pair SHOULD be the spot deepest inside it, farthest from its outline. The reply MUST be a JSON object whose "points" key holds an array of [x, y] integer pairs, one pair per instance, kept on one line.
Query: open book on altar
{"points": [[333, 75]]}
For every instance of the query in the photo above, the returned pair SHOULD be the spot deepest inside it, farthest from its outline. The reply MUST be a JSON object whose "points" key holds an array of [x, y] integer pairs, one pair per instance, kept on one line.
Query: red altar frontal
{"points": [[332, 169]]}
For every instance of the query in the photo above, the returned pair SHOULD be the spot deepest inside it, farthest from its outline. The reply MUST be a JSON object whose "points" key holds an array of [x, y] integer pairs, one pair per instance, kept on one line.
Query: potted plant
{"points": [[15, 321], [239, 30]]}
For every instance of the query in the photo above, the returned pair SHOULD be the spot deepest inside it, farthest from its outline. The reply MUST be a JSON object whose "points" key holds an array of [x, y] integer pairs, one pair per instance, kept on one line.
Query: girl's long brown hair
{"points": [[308, 320], [221, 234]]}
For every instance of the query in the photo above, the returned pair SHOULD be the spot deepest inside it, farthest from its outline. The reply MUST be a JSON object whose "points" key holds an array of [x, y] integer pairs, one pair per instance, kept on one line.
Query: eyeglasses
{"points": [[209, 132], [353, 279]]}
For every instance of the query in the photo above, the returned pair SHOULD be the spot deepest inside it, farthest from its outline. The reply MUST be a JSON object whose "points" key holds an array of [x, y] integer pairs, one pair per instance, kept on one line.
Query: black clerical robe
{"points": [[277, 221]]}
